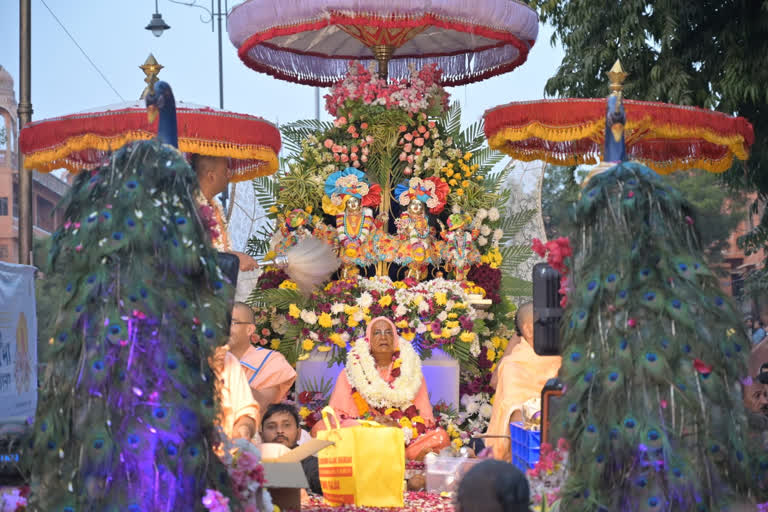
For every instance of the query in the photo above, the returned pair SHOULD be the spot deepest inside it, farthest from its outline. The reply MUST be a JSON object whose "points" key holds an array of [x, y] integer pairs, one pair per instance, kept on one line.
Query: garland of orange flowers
{"points": [[220, 241], [360, 403]]}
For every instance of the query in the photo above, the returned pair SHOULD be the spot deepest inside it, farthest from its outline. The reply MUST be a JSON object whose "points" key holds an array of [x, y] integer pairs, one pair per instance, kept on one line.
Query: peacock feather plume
{"points": [[125, 418], [653, 359]]}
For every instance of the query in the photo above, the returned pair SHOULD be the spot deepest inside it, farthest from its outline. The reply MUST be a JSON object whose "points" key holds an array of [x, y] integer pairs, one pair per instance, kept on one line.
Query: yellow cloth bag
{"points": [[364, 467]]}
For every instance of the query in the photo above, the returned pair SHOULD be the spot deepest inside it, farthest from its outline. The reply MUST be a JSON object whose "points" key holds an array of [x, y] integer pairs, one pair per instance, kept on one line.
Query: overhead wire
{"points": [[82, 50]]}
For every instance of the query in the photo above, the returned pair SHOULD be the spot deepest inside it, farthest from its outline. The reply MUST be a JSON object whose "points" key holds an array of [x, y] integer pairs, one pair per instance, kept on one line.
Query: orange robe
{"points": [[435, 438], [522, 375], [266, 368], [236, 397], [344, 405]]}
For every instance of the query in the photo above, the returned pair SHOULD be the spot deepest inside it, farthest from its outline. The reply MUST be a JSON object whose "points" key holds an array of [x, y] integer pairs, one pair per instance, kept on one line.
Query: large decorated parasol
{"points": [[662, 136], [83, 140], [311, 42]]}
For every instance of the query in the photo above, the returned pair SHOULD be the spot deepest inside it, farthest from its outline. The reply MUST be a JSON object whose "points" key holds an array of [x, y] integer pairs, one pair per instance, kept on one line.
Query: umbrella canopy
{"points": [[664, 137], [311, 42], [82, 141]]}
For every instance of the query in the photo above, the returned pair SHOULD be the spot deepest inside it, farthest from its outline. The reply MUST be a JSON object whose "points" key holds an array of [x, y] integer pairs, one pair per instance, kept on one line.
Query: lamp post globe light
{"points": [[157, 25]]}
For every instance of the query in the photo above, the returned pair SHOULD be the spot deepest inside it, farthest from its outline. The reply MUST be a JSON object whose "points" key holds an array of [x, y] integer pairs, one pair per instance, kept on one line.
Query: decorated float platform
{"points": [[417, 210], [417, 213]]}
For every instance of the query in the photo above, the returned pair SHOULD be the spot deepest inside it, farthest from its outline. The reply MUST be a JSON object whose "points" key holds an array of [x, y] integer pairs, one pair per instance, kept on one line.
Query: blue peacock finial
{"points": [[615, 117], [160, 101]]}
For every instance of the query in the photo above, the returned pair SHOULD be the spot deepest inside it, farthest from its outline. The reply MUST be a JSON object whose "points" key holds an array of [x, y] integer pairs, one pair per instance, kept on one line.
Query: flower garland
{"points": [[556, 252], [377, 392], [346, 232], [213, 219]]}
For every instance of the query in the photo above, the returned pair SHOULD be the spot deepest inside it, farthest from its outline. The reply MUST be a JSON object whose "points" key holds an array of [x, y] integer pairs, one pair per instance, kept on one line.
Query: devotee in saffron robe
{"points": [[520, 376], [269, 374], [383, 381], [239, 411]]}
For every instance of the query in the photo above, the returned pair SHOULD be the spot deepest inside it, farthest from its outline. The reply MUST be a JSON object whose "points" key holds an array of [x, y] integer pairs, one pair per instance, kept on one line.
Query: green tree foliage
{"points": [[560, 189], [718, 211], [712, 53]]}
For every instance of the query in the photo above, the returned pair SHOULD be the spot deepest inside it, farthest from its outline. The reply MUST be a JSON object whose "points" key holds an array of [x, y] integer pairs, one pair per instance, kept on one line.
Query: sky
{"points": [[112, 34]]}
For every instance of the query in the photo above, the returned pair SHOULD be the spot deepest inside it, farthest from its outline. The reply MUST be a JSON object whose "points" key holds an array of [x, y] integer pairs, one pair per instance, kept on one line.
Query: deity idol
{"points": [[416, 241], [459, 251], [293, 229], [349, 197]]}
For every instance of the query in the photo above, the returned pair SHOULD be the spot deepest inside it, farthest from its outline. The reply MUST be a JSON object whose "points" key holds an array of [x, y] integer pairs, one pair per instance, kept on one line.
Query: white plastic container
{"points": [[445, 473]]}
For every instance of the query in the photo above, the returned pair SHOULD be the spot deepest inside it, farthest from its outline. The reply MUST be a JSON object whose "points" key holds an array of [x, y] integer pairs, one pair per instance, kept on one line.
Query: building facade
{"points": [[47, 189]]}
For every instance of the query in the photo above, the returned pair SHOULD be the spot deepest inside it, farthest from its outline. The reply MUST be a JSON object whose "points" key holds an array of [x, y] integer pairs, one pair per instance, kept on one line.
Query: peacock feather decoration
{"points": [[125, 418], [654, 356]]}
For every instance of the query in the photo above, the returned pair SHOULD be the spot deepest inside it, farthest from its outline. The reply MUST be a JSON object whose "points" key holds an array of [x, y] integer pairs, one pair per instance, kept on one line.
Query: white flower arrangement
{"points": [[309, 317]]}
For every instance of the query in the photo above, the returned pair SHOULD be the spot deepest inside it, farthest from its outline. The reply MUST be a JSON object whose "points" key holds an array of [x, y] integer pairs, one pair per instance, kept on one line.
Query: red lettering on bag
{"points": [[335, 471], [346, 499], [332, 485]]}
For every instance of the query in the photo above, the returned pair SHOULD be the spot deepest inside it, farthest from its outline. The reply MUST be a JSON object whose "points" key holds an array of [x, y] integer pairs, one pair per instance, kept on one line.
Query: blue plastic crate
{"points": [[526, 445]]}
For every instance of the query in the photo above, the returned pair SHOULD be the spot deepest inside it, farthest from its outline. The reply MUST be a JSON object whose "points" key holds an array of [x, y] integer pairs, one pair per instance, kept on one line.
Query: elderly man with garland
{"points": [[383, 382]]}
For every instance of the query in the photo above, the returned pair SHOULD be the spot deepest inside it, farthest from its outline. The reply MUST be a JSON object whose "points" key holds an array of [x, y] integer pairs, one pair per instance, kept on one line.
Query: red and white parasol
{"points": [[664, 137], [311, 42], [83, 140]]}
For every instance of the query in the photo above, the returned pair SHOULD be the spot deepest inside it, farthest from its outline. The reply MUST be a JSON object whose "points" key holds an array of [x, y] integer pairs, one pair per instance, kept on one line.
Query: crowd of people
{"points": [[255, 382], [756, 394]]}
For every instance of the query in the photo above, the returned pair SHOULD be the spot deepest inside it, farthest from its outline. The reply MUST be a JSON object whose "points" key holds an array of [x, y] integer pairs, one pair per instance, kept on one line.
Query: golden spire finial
{"points": [[617, 77], [151, 68]]}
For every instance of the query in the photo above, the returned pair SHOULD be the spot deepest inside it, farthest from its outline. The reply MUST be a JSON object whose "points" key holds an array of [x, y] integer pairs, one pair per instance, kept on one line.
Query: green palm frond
{"points": [[515, 287], [460, 352], [514, 256], [486, 159], [289, 344], [512, 224], [299, 188], [495, 180], [294, 133], [280, 298], [472, 138], [265, 191], [474, 197], [451, 120], [258, 244]]}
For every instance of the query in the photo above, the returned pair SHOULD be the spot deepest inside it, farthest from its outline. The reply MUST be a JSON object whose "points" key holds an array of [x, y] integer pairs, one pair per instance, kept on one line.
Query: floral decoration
{"points": [[14, 499], [243, 461], [548, 476], [556, 252], [423, 501], [430, 314]]}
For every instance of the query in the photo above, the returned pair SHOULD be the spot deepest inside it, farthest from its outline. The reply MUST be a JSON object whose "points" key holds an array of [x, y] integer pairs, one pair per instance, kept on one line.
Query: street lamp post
{"points": [[157, 26], [25, 116]]}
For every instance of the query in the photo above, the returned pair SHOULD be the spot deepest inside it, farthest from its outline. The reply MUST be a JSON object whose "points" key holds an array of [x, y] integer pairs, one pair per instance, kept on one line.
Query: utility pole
{"points": [[25, 116]]}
